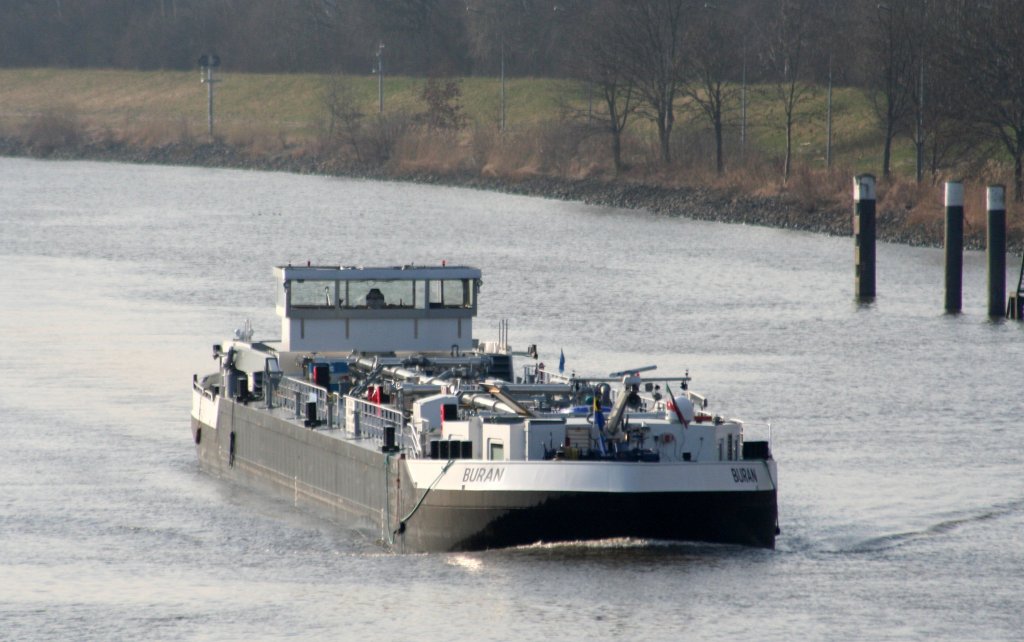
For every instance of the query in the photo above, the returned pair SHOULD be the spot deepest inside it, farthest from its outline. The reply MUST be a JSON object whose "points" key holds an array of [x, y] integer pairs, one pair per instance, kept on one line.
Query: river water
{"points": [[897, 428]]}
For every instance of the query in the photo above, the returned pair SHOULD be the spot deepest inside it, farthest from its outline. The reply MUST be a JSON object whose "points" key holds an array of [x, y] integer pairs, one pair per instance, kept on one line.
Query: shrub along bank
{"points": [[565, 158]]}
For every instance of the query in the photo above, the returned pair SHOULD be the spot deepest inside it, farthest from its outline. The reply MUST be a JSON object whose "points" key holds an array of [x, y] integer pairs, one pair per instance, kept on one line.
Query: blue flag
{"points": [[561, 361]]}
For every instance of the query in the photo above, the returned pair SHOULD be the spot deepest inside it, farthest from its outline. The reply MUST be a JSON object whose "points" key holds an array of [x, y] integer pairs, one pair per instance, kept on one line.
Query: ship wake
{"points": [[944, 527]]}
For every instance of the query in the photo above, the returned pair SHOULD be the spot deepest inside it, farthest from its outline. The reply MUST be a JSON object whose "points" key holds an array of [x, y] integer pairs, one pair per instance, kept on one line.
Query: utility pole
{"points": [[380, 77], [828, 125], [919, 131], [503, 79], [207, 62], [919, 125], [743, 107], [495, 15]]}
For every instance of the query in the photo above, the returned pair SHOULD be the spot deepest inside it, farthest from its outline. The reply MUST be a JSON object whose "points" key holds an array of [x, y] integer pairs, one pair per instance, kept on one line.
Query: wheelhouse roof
{"points": [[359, 273]]}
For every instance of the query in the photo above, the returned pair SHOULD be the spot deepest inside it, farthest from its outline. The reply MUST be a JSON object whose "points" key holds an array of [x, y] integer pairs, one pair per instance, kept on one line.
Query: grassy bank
{"points": [[174, 103], [283, 121]]}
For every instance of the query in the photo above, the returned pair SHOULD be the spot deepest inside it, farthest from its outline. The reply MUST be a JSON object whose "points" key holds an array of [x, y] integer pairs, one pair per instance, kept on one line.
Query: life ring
{"points": [[667, 438]]}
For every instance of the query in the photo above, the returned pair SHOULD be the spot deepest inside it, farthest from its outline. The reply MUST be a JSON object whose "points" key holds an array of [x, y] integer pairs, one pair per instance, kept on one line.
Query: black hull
{"points": [[451, 521], [345, 481]]}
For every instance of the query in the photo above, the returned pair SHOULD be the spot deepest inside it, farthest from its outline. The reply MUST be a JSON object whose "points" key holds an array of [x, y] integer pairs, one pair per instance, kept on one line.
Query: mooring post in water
{"points": [[996, 247], [954, 245], [1015, 307], [864, 236]]}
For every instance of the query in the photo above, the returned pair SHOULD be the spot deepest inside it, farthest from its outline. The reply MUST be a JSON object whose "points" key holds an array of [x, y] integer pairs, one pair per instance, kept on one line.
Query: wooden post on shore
{"points": [[864, 236], [954, 245], [996, 248]]}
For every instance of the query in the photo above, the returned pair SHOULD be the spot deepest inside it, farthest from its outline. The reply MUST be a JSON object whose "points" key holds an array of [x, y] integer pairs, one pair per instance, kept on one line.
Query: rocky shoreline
{"points": [[692, 202]]}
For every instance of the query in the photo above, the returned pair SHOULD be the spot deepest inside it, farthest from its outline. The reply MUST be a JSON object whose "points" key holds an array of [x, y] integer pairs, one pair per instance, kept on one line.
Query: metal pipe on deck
{"points": [[397, 371], [996, 248], [487, 402], [954, 245], [501, 393], [538, 388], [864, 236], [418, 379]]}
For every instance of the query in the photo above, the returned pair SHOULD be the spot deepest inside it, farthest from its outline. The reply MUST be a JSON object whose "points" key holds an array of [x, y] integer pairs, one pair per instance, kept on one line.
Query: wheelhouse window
{"points": [[313, 294], [376, 294], [451, 293]]}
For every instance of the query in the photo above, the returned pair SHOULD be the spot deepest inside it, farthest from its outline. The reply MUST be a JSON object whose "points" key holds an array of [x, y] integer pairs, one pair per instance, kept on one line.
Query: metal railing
{"points": [[538, 374], [196, 386], [359, 418], [294, 394], [368, 420]]}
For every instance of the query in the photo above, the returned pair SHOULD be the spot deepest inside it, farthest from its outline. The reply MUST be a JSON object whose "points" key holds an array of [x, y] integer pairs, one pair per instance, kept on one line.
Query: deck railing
{"points": [[294, 394], [539, 374], [369, 420]]}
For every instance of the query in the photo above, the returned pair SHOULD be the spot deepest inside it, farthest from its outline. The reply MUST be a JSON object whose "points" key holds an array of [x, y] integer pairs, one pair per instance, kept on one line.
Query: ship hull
{"points": [[472, 521], [254, 448], [366, 487]]}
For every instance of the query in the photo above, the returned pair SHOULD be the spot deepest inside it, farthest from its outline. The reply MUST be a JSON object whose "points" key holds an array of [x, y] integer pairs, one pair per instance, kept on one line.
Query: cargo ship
{"points": [[377, 404]]}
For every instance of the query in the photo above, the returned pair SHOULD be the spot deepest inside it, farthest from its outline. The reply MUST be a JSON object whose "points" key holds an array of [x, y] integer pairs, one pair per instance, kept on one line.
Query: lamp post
{"points": [[502, 79], [832, 27], [380, 77], [828, 118], [743, 107], [919, 129], [207, 62], [501, 33]]}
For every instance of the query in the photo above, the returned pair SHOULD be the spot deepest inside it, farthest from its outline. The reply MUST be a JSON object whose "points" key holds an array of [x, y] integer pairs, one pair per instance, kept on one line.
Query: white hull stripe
{"points": [[600, 477]]}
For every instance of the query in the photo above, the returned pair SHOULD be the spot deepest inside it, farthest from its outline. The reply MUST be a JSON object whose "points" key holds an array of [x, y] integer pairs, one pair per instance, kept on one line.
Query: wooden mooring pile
{"points": [[864, 248], [1015, 305]]}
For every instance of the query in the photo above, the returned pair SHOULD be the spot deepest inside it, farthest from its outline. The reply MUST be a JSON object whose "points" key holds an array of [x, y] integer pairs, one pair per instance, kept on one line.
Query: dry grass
{"points": [[155, 133], [425, 151], [53, 130], [285, 115]]}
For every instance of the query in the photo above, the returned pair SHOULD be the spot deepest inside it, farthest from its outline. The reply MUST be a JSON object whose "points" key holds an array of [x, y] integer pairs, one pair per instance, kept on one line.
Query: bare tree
{"points": [[787, 51], [715, 50], [649, 36], [986, 55], [422, 36], [891, 76], [923, 47], [600, 63], [344, 121]]}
